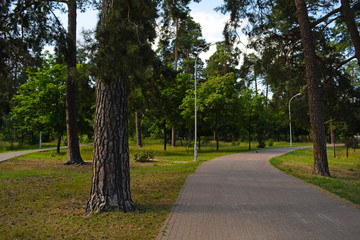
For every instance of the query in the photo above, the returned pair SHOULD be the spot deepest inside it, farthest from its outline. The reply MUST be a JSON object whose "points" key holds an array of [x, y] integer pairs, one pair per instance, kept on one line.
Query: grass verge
{"points": [[42, 199], [345, 172]]}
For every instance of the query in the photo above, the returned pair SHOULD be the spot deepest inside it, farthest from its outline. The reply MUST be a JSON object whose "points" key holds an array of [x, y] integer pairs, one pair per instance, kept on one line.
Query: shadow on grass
{"points": [[153, 208]]}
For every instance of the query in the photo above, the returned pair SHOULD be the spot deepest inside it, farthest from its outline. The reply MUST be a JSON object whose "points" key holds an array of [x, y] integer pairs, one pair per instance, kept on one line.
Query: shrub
{"points": [[261, 144], [188, 145], [205, 140], [270, 142], [143, 155]]}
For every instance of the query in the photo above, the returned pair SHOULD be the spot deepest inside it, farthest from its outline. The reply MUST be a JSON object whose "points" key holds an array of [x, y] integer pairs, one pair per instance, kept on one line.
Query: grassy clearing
{"points": [[40, 198], [345, 172]]}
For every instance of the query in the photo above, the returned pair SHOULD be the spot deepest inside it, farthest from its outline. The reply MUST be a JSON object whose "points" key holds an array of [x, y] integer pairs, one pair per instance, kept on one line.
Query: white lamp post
{"points": [[290, 116]]}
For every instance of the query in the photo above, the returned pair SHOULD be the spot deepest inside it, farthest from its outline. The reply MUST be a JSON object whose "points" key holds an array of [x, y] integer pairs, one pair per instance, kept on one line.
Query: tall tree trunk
{"points": [[199, 142], [165, 135], [173, 136], [176, 43], [266, 96], [255, 79], [332, 136], [250, 132], [350, 22], [138, 130], [58, 145], [176, 57], [319, 139], [74, 156], [110, 188], [216, 137]]}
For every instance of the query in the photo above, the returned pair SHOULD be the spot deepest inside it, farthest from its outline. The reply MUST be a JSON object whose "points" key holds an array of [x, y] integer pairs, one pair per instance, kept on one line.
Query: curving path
{"points": [[9, 155], [241, 196]]}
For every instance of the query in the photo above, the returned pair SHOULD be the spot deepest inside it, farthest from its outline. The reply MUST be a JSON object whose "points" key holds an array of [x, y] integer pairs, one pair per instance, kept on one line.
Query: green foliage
{"points": [[40, 102], [270, 142], [189, 144], [223, 61], [124, 39], [143, 155]]}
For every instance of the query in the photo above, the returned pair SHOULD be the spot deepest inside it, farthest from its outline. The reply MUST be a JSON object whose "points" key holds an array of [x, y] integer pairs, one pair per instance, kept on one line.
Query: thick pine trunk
{"points": [[350, 22], [110, 189], [138, 130], [74, 156], [312, 75]]}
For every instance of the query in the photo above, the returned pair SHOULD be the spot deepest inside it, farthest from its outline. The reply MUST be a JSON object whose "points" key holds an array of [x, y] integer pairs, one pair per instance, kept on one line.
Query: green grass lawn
{"points": [[345, 172], [42, 199]]}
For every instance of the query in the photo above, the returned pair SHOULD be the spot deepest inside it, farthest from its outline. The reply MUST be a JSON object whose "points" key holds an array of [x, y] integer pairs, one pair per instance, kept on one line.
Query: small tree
{"points": [[40, 102]]}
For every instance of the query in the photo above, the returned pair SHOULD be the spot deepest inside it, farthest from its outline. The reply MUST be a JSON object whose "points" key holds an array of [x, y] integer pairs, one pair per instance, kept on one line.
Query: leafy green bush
{"points": [[205, 140], [188, 145], [261, 144], [143, 155], [270, 142]]}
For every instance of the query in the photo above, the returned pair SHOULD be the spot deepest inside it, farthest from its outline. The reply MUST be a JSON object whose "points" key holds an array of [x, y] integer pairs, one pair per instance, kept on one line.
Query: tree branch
{"points": [[312, 25], [344, 62]]}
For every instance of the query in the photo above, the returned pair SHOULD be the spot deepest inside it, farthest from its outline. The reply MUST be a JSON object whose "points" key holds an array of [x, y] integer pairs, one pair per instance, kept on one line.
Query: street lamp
{"points": [[290, 116], [195, 144]]}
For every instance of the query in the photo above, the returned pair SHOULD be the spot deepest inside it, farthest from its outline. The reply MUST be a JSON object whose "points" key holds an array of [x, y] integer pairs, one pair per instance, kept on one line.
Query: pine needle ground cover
{"points": [[345, 172], [42, 199]]}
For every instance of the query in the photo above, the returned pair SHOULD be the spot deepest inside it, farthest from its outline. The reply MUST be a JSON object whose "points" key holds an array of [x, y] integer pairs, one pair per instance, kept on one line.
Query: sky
{"points": [[212, 22]]}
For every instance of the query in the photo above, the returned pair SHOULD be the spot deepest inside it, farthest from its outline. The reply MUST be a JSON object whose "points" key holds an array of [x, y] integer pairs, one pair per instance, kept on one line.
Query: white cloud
{"points": [[212, 25]]}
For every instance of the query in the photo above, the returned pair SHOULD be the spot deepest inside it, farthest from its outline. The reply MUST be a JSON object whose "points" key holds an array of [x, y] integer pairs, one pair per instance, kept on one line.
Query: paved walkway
{"points": [[241, 196], [9, 155]]}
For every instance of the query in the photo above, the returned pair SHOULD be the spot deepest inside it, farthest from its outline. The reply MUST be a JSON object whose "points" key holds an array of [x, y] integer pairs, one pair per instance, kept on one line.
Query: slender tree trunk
{"points": [[350, 22], [199, 141], [256, 91], [173, 137], [138, 130], [347, 147], [176, 43], [58, 145], [332, 137], [165, 135], [74, 156], [266, 96], [312, 75], [216, 137], [110, 188], [250, 133]]}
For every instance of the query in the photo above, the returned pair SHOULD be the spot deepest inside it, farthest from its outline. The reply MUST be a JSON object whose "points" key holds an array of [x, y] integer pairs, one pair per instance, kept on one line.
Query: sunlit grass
{"points": [[42, 199], [345, 172]]}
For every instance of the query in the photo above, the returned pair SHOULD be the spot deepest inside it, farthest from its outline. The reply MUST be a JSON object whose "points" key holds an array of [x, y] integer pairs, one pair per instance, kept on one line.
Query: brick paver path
{"points": [[241, 196]]}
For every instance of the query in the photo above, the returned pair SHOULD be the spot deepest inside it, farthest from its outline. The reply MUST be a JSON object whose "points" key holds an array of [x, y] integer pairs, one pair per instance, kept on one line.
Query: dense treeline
{"points": [[243, 94]]}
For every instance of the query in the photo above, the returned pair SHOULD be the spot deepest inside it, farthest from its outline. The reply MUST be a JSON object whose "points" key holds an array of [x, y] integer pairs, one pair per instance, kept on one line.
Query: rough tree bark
{"points": [[138, 130], [74, 156], [110, 189], [350, 22], [312, 76]]}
